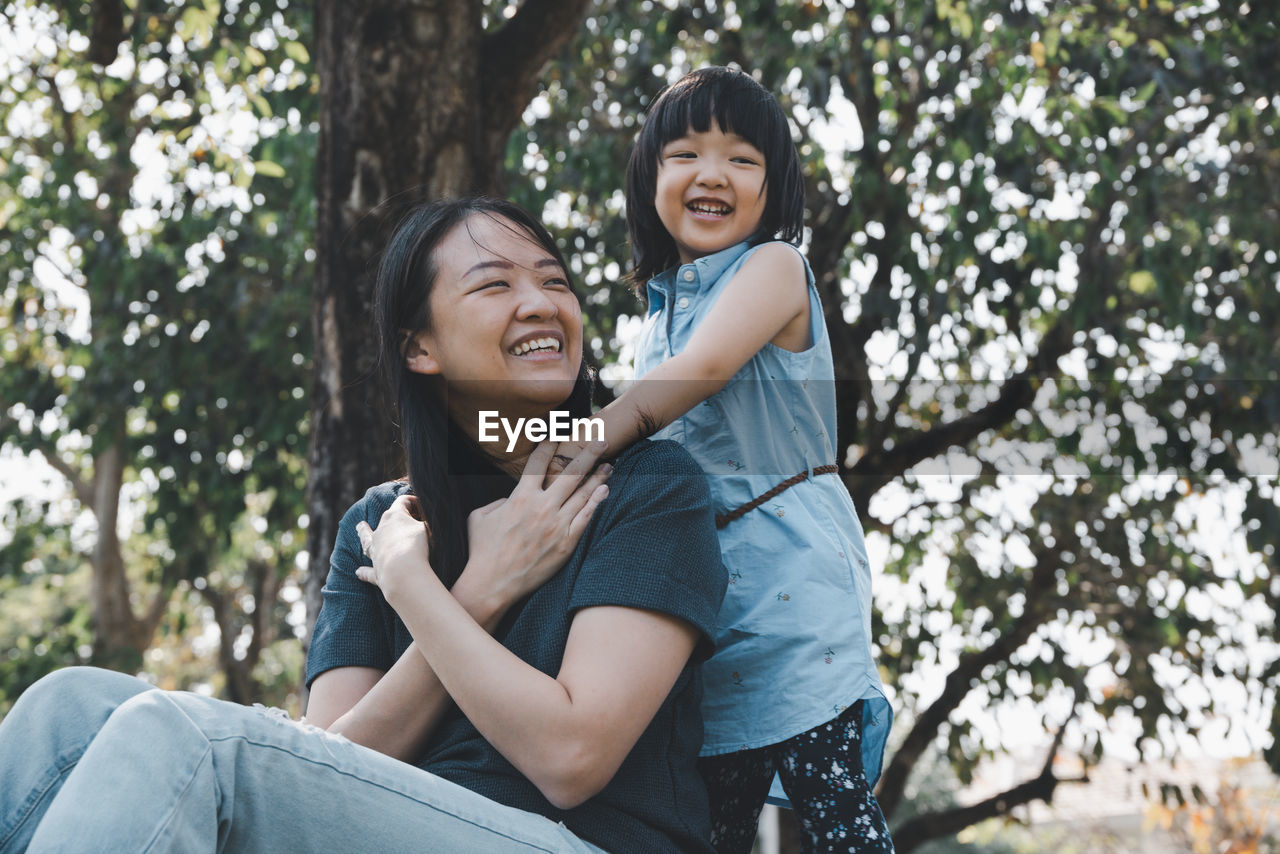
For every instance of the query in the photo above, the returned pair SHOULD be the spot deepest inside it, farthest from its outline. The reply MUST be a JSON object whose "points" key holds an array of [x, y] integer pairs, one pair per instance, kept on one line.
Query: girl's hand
{"points": [[398, 550], [565, 453], [518, 543]]}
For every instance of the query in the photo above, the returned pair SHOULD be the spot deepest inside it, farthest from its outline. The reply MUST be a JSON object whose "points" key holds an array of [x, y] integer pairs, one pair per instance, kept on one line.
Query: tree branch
{"points": [[875, 469], [82, 488], [919, 829], [155, 611], [961, 681], [108, 31], [239, 685], [512, 57], [266, 586]]}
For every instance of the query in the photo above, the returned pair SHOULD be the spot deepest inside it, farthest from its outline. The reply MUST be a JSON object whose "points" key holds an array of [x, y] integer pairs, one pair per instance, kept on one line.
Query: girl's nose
{"points": [[710, 173]]}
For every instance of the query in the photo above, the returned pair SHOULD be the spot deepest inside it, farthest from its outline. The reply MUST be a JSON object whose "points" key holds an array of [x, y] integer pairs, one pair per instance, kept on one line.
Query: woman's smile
{"points": [[538, 347], [506, 330]]}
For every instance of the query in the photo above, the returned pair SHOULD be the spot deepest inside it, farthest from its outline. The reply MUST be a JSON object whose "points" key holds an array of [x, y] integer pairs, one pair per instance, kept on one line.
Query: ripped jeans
{"points": [[92, 760]]}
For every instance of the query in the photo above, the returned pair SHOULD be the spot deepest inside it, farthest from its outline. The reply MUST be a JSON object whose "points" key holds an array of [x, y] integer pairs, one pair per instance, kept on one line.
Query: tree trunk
{"points": [[114, 635], [383, 146], [120, 636]]}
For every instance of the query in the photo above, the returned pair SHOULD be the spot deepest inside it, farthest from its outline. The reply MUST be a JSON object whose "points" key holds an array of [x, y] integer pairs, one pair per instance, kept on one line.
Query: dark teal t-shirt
{"points": [[652, 544]]}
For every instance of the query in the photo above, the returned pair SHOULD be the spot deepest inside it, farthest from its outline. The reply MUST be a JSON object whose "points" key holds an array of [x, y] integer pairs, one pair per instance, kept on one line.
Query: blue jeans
{"points": [[92, 760]]}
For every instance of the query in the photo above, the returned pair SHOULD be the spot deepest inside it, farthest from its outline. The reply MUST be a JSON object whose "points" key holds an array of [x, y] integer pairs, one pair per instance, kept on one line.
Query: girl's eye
{"points": [[681, 155]]}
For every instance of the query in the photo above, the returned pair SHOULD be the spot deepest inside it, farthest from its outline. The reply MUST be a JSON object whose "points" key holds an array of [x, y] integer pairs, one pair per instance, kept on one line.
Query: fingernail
{"points": [[606, 469], [601, 492], [599, 445]]}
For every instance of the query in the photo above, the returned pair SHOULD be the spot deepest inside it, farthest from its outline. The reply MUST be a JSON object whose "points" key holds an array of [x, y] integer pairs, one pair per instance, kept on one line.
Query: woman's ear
{"points": [[417, 358]]}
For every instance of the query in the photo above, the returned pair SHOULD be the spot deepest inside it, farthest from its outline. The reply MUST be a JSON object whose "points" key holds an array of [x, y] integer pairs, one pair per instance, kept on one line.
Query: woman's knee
{"points": [[79, 691]]}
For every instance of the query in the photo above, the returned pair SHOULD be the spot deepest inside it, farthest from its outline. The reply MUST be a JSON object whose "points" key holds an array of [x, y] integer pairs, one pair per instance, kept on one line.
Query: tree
{"points": [[417, 102], [146, 236]]}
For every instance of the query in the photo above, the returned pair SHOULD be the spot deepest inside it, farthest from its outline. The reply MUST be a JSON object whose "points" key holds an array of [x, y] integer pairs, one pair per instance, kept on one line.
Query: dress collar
{"points": [[706, 272]]}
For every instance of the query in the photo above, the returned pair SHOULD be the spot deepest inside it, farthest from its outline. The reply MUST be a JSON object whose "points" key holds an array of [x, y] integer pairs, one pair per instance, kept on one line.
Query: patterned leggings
{"points": [[822, 773]]}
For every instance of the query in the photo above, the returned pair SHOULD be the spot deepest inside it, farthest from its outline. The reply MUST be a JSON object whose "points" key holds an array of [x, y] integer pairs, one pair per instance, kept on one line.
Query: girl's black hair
{"points": [[737, 104], [448, 472]]}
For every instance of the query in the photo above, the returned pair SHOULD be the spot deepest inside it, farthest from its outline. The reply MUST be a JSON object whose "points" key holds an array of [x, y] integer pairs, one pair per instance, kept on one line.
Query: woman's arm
{"points": [[395, 712], [767, 300], [568, 733]]}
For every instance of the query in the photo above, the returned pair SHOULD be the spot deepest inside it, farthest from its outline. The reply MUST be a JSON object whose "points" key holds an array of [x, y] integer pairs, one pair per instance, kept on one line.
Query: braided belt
{"points": [[723, 519]]}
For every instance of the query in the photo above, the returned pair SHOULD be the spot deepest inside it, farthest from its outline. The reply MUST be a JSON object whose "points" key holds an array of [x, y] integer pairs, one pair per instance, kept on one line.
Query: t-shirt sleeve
{"points": [[656, 547], [350, 628]]}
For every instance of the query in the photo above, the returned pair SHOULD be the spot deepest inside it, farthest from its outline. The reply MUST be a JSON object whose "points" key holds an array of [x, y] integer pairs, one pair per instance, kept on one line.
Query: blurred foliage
{"points": [[155, 219], [1234, 818], [1045, 240]]}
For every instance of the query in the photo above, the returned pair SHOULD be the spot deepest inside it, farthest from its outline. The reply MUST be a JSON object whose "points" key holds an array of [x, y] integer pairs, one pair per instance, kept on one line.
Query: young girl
{"points": [[736, 365]]}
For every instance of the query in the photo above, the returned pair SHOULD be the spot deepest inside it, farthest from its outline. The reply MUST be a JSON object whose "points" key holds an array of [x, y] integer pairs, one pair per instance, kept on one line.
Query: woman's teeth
{"points": [[536, 344]]}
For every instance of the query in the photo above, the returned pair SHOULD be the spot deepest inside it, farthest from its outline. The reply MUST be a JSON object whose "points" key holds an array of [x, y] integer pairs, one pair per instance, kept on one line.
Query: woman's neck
{"points": [[503, 443]]}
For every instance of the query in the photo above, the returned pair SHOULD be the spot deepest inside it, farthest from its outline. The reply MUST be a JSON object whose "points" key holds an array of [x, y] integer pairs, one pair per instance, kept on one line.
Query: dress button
{"points": [[688, 275], [683, 302]]}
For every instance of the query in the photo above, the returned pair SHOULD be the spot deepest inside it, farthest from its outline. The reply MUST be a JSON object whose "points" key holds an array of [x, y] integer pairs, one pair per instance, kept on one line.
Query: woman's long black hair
{"points": [[737, 104], [444, 465]]}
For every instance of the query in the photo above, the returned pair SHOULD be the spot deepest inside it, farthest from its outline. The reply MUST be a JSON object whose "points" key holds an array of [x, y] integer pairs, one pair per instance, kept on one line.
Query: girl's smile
{"points": [[710, 191]]}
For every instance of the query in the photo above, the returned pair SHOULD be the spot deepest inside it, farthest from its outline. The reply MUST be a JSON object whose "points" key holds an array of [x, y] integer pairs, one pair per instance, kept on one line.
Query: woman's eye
{"points": [[556, 283], [500, 283]]}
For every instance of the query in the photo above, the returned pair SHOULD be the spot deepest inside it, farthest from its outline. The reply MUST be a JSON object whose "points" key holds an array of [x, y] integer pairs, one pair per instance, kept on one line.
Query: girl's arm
{"points": [[568, 734], [521, 541], [767, 300]]}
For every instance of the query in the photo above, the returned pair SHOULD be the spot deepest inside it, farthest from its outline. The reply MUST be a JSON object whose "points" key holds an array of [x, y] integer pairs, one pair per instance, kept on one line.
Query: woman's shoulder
{"points": [[655, 475], [376, 500], [656, 457], [658, 479]]}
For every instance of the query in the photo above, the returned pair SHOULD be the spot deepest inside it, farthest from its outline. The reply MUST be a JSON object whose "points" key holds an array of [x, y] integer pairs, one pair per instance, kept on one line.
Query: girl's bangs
{"points": [[735, 109]]}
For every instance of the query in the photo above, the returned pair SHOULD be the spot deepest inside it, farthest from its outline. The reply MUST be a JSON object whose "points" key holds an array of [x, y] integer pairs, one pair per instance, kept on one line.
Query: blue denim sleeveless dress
{"points": [[793, 645]]}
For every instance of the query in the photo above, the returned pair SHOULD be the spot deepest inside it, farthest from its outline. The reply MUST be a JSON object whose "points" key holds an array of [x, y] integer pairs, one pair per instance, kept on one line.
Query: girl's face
{"points": [[710, 191], [506, 330]]}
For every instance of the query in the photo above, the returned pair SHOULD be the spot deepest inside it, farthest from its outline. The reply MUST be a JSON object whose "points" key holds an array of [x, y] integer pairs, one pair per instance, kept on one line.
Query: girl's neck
{"points": [[689, 260]]}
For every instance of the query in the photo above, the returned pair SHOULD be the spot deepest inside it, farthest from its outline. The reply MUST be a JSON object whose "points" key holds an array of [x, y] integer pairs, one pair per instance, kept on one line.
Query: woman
{"points": [[534, 657]]}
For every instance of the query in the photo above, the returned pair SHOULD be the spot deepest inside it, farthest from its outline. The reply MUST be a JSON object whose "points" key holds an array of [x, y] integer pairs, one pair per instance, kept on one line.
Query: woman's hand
{"points": [[398, 549], [519, 542]]}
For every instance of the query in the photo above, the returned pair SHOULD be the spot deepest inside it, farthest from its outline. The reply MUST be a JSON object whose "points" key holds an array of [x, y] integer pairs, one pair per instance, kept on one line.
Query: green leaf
{"points": [[297, 52], [1141, 282], [268, 169]]}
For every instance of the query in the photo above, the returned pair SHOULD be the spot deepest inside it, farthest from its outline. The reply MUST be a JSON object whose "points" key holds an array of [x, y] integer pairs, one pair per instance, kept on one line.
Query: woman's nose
{"points": [[536, 302]]}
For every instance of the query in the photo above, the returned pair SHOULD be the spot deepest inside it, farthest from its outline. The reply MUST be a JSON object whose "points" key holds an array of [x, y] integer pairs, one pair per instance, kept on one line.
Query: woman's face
{"points": [[506, 330]]}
